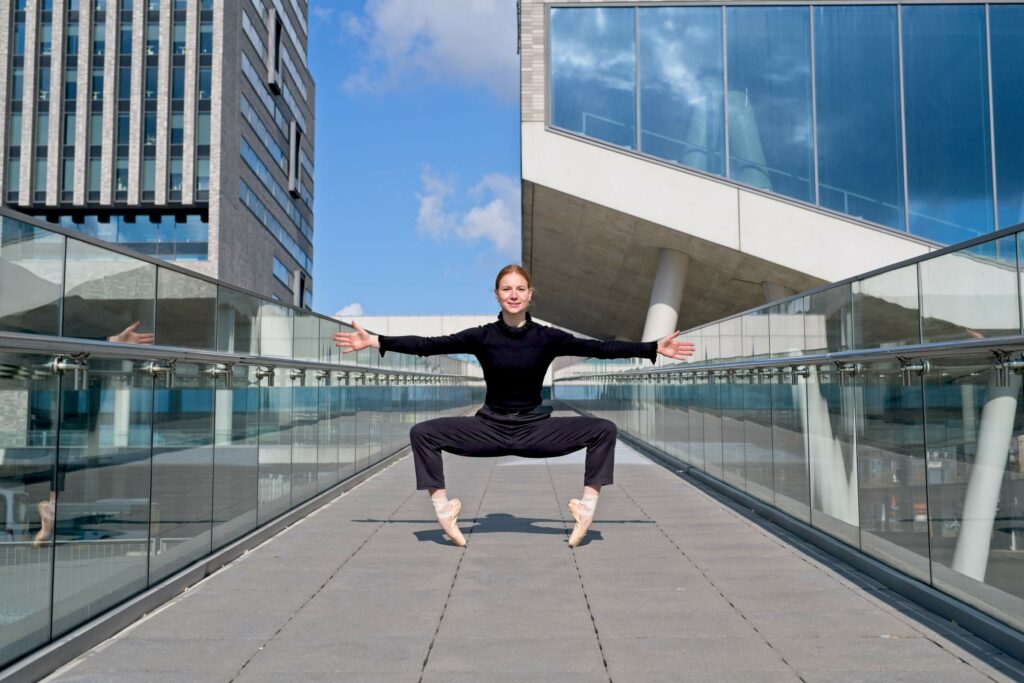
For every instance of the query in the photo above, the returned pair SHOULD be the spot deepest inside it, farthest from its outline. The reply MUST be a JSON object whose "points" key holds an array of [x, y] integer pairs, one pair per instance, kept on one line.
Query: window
{"points": [[178, 44], [40, 177], [152, 39], [17, 83], [94, 176], [177, 129], [205, 83], [206, 38], [69, 128], [126, 39], [45, 38], [282, 274], [71, 40], [203, 128], [175, 175], [70, 84], [124, 83], [99, 38], [96, 129], [202, 174], [14, 130], [148, 175], [97, 84], [123, 128], [44, 83], [178, 83], [67, 177], [42, 128], [121, 175], [149, 129], [151, 81], [19, 39]]}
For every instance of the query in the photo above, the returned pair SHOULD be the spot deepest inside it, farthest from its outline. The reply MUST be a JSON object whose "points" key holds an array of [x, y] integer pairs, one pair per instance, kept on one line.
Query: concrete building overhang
{"points": [[595, 217]]}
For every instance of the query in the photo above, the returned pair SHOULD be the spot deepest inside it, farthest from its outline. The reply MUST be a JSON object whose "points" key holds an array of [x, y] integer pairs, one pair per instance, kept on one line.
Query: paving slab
{"points": [[672, 584]]}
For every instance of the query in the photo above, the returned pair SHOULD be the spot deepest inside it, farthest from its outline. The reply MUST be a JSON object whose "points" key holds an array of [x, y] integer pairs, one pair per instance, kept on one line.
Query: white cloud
{"points": [[494, 217], [453, 42], [321, 12], [350, 310]]}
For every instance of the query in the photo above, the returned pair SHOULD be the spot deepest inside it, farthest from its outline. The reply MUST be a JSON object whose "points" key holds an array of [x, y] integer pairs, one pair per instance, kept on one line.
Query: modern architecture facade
{"points": [[698, 160], [180, 128]]}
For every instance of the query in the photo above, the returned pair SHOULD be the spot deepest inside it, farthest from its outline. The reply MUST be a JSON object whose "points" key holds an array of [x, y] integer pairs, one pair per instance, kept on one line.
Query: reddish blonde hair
{"points": [[512, 268]]}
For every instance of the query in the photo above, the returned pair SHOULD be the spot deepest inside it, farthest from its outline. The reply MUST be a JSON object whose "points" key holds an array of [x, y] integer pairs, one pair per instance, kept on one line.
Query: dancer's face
{"points": [[513, 293]]}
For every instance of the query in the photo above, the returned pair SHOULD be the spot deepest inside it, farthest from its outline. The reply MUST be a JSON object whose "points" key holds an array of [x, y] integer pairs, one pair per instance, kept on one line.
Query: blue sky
{"points": [[417, 154]]}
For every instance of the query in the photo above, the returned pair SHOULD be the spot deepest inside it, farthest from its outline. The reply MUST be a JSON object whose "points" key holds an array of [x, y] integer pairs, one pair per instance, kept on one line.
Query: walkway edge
{"points": [[56, 654], [995, 632]]}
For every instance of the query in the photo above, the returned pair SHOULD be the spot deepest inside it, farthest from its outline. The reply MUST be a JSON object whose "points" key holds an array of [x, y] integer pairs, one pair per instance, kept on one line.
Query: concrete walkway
{"points": [[672, 585]]}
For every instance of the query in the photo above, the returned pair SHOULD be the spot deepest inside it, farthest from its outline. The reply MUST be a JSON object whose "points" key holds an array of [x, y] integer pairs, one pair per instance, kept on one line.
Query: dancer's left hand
{"points": [[676, 349]]}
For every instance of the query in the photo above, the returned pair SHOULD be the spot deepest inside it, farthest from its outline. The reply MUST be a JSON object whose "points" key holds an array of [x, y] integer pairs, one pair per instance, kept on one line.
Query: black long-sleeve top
{"points": [[515, 359]]}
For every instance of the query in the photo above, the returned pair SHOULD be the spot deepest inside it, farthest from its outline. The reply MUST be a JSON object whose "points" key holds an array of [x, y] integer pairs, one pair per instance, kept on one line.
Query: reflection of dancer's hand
{"points": [[675, 348], [356, 341], [130, 336]]}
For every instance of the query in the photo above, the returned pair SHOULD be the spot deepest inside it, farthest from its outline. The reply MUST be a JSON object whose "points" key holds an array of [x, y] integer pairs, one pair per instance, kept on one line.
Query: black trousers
{"points": [[534, 435]]}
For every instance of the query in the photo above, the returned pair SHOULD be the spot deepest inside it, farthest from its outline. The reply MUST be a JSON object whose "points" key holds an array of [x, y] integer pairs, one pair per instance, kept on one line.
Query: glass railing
{"points": [[150, 416], [884, 410]]}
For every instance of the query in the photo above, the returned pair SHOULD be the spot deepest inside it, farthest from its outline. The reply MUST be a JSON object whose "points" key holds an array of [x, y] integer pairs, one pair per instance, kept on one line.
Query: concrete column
{"points": [[122, 416], [223, 412], [986, 479], [773, 291], [666, 294]]}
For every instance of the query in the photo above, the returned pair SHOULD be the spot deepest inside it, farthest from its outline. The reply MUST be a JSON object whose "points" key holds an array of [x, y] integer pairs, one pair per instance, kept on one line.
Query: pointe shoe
{"points": [[584, 515], [448, 518]]}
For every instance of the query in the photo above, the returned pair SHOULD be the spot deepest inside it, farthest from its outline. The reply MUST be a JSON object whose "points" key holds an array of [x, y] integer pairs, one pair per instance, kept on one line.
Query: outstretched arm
{"points": [[673, 348], [460, 342], [356, 341]]}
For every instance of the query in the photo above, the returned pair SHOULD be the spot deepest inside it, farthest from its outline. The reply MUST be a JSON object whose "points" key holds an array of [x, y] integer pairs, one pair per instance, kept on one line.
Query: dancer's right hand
{"points": [[355, 341]]}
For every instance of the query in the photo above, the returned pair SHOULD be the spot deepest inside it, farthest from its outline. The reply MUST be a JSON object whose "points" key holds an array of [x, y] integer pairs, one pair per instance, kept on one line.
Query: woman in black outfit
{"points": [[514, 352]]}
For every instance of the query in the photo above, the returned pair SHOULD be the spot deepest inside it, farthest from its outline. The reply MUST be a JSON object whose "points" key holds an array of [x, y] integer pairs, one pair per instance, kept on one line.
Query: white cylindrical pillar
{"points": [[986, 479], [666, 294]]}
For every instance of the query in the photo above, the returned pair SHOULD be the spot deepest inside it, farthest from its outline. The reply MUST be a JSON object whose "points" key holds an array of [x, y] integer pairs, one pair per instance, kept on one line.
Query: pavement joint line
{"points": [[322, 586], [455, 575], [713, 585], [586, 598]]}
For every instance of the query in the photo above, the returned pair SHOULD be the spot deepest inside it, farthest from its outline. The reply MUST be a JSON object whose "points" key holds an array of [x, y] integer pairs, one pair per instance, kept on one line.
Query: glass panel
{"points": [[949, 167], [329, 435], [275, 330], [831, 415], [275, 445], [755, 334], [731, 390], [972, 293], [891, 470], [28, 440], [786, 328], [305, 436], [885, 309], [828, 324], [329, 352], [307, 337], [182, 494], [695, 428], [108, 296], [769, 57], [681, 100], [343, 405], [103, 485], [593, 84], [1007, 35], [975, 434], [712, 408], [32, 264], [677, 419], [858, 99], [757, 439], [186, 310], [789, 446], [730, 338], [238, 321], [236, 455]]}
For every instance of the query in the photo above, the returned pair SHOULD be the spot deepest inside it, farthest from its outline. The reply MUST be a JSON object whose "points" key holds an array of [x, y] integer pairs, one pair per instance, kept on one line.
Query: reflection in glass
{"points": [[757, 437], [344, 404], [731, 391], [828, 324], [305, 437], [235, 455], [830, 411], [329, 434], [307, 337], [238, 322], [712, 404], [593, 85], [31, 264], [681, 100], [275, 330], [755, 334], [786, 327], [182, 494], [28, 441], [975, 433], [891, 470], [789, 446], [186, 310], [769, 99], [1006, 24], [106, 293], [972, 293], [886, 310], [857, 95], [275, 468], [949, 163], [103, 485]]}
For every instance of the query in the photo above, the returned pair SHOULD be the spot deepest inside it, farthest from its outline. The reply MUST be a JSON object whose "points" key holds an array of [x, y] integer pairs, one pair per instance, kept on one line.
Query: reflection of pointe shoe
{"points": [[448, 518], [45, 523], [583, 513]]}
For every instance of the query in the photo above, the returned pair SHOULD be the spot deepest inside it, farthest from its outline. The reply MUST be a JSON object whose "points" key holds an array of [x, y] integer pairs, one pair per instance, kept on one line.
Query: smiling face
{"points": [[513, 293]]}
